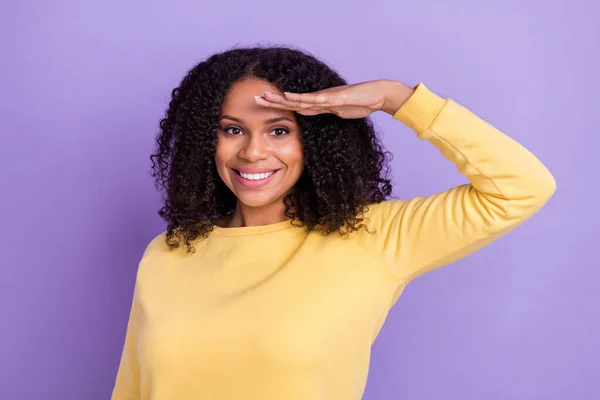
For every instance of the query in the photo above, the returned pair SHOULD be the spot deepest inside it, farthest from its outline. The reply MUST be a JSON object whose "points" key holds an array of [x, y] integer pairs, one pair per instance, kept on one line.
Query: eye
{"points": [[280, 131], [232, 130]]}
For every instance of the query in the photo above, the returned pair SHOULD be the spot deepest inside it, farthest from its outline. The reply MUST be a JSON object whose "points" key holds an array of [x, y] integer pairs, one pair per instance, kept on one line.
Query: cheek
{"points": [[291, 154], [222, 157], [223, 151]]}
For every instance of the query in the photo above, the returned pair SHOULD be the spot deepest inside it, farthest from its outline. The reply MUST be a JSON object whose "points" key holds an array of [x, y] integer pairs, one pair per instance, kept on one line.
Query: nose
{"points": [[255, 148]]}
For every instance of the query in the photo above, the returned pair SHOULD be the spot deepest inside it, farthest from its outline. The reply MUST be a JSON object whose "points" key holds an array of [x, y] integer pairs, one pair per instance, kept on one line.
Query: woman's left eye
{"points": [[280, 131]]}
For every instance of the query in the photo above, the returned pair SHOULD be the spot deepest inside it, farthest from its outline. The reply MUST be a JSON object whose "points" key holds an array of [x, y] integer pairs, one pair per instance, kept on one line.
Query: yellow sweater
{"points": [[271, 312]]}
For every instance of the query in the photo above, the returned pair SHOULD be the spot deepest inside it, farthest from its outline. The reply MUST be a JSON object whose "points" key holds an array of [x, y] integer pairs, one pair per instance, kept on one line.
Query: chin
{"points": [[255, 204], [257, 200]]}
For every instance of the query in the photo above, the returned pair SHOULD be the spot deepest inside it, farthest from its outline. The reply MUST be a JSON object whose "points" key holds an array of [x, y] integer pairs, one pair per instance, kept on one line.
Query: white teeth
{"points": [[256, 177]]}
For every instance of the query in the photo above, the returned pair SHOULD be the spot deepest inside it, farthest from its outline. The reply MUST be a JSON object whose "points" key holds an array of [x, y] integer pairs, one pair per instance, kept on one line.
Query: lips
{"points": [[256, 175], [246, 170], [254, 178]]}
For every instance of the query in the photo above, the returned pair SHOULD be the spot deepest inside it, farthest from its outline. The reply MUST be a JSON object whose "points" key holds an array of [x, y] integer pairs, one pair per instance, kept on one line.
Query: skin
{"points": [[247, 138], [251, 141]]}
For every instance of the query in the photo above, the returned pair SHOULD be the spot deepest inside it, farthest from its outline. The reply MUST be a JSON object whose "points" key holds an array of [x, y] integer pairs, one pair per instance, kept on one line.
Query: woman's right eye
{"points": [[232, 130]]}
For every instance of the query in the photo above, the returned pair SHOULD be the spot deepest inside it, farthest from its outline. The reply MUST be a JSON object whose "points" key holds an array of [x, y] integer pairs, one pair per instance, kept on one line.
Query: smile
{"points": [[254, 181], [256, 177]]}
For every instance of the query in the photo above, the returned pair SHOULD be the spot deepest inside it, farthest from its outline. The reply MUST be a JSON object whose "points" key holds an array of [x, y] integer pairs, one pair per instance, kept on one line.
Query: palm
{"points": [[348, 101]]}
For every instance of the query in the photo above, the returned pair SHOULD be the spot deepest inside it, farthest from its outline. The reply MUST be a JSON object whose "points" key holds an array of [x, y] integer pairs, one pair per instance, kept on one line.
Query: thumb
{"points": [[310, 111]]}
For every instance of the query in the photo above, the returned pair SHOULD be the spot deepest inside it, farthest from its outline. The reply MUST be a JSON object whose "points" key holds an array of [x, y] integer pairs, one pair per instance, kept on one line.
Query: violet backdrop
{"points": [[83, 85]]}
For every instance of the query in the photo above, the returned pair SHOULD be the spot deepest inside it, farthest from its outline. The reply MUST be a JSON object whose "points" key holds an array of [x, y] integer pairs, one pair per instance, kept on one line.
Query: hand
{"points": [[349, 101]]}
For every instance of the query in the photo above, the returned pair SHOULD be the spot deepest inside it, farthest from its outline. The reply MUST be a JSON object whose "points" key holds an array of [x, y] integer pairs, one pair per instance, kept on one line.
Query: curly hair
{"points": [[345, 166]]}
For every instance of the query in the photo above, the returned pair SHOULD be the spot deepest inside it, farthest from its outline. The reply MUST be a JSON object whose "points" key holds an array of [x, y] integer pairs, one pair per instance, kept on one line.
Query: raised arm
{"points": [[507, 185]]}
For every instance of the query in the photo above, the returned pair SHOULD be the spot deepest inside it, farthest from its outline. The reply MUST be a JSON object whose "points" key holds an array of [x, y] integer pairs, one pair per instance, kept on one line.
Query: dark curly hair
{"points": [[345, 167]]}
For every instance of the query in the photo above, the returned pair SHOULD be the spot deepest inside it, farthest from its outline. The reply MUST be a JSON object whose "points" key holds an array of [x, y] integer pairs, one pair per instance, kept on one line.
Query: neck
{"points": [[245, 215]]}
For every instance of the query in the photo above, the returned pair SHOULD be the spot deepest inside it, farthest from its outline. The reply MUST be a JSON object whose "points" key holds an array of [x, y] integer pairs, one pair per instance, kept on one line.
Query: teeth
{"points": [[256, 177]]}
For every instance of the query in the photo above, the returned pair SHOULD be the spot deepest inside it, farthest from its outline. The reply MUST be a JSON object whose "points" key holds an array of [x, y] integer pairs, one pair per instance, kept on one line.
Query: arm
{"points": [[127, 384], [507, 185]]}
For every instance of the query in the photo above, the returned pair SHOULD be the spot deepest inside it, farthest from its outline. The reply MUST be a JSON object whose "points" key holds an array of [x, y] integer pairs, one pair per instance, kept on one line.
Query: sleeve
{"points": [[507, 185], [127, 383]]}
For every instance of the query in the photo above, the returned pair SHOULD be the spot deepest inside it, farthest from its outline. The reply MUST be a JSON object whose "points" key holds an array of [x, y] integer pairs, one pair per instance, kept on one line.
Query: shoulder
{"points": [[155, 256], [382, 213], [156, 244]]}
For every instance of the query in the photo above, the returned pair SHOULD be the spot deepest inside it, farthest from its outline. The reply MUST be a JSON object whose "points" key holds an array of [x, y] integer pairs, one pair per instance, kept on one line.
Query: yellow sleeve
{"points": [[127, 384], [507, 185]]}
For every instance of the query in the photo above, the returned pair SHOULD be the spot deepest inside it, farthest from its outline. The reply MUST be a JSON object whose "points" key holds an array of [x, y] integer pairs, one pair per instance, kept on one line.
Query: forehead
{"points": [[239, 100], [249, 87]]}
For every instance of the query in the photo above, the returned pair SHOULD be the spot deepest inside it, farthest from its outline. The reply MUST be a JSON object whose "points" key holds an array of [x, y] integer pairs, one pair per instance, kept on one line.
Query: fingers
{"points": [[279, 99], [293, 101], [312, 111], [265, 103], [307, 98], [277, 103], [305, 110]]}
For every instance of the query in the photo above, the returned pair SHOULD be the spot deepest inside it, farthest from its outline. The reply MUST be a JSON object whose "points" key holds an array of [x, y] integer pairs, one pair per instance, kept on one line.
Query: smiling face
{"points": [[259, 150]]}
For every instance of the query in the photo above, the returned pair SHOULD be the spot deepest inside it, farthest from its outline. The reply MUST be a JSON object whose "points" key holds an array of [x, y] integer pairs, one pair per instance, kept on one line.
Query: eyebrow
{"points": [[268, 121]]}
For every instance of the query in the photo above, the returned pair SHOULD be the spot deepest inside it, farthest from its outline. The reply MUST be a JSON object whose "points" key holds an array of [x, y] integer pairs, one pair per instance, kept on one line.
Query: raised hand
{"points": [[349, 101]]}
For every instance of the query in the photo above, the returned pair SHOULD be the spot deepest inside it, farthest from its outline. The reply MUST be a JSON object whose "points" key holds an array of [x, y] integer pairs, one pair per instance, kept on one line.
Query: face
{"points": [[259, 150]]}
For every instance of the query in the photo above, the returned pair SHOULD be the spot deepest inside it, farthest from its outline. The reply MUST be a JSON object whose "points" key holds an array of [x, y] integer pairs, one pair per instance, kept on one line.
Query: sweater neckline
{"points": [[248, 230]]}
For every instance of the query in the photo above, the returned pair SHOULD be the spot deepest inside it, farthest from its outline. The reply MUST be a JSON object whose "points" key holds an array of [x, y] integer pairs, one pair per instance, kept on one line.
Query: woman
{"points": [[282, 255]]}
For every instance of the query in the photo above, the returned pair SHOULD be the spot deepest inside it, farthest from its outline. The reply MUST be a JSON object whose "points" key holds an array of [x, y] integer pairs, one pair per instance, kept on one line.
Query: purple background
{"points": [[82, 87]]}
